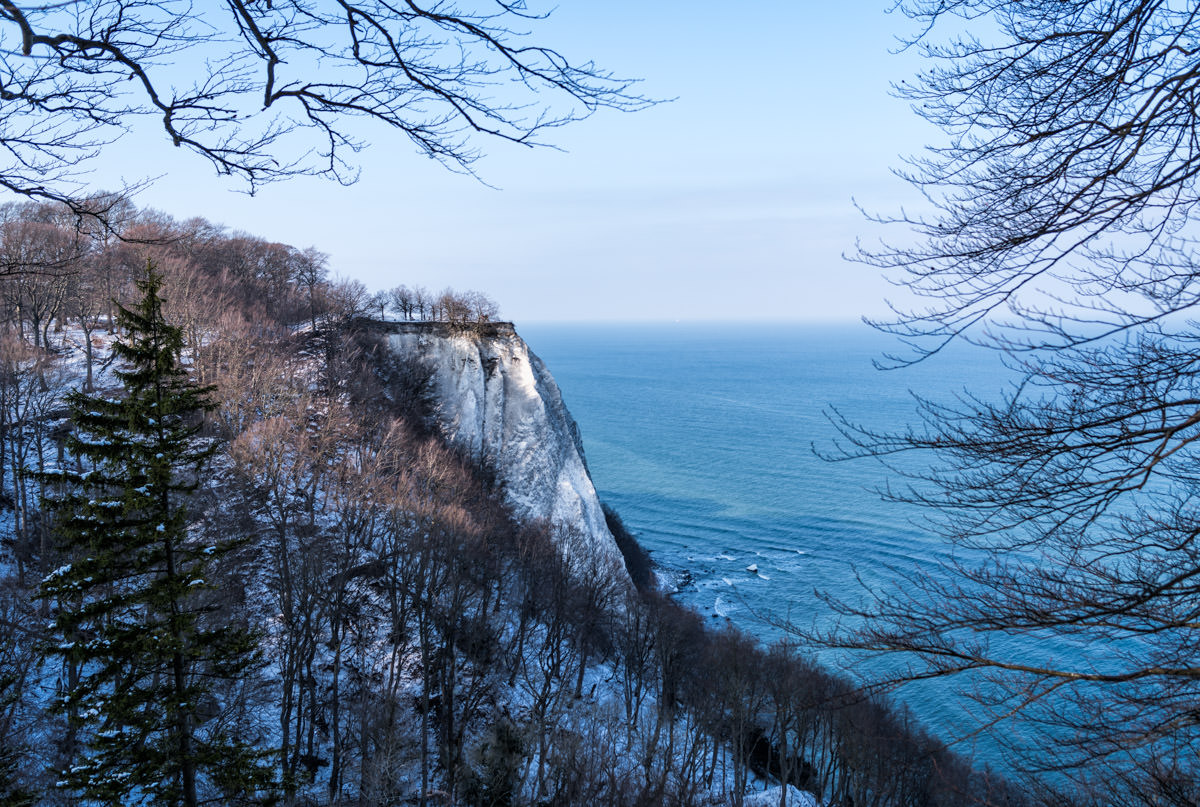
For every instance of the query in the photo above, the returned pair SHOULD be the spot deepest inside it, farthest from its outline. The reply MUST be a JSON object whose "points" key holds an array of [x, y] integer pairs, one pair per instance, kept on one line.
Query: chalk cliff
{"points": [[497, 399]]}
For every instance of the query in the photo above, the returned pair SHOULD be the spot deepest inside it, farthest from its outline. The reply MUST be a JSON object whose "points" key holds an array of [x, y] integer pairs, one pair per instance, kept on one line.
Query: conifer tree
{"points": [[131, 625]]}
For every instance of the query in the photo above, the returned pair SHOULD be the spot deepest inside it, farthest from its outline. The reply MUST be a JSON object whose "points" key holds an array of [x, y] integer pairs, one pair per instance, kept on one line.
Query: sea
{"points": [[713, 443]]}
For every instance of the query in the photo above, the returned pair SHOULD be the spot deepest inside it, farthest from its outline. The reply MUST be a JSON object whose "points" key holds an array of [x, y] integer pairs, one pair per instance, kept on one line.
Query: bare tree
{"points": [[85, 304], [401, 300], [736, 697], [41, 257], [634, 645], [311, 271], [379, 304], [482, 307], [422, 303], [272, 87], [1062, 234], [31, 386], [254, 369], [453, 307], [195, 307], [348, 299]]}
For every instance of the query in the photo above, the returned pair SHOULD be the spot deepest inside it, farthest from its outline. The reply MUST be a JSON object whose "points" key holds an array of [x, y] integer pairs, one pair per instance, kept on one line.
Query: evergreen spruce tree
{"points": [[131, 625]]}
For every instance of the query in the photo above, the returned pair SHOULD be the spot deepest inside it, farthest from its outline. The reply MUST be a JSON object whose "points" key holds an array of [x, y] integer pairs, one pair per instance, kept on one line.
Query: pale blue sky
{"points": [[731, 202]]}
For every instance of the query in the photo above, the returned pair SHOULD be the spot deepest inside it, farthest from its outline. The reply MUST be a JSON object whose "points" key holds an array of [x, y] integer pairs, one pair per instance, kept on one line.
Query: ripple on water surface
{"points": [[702, 438]]}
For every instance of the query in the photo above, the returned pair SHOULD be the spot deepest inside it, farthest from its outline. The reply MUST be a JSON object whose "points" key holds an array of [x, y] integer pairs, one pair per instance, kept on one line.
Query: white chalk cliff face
{"points": [[497, 399]]}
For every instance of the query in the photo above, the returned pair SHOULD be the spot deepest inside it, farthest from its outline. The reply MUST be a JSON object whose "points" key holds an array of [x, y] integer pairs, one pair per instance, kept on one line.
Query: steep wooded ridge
{"points": [[393, 499]]}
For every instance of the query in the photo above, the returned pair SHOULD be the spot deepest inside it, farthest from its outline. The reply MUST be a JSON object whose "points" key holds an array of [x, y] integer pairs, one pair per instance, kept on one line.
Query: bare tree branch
{"points": [[1060, 232], [264, 91]]}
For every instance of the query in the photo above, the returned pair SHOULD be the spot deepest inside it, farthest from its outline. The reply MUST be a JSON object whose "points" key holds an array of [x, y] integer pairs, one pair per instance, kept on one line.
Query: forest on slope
{"points": [[408, 641]]}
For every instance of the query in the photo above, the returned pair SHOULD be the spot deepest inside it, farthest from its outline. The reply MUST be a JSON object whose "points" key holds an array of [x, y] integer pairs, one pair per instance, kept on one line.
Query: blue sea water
{"points": [[704, 437]]}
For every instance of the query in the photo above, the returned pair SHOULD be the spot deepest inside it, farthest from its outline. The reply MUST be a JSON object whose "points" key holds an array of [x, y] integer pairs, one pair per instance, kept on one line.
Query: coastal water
{"points": [[705, 438]]}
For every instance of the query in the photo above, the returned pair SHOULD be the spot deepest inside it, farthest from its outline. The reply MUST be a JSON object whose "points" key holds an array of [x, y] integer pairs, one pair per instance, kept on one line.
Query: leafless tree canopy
{"points": [[1059, 230], [264, 90], [1070, 168]]}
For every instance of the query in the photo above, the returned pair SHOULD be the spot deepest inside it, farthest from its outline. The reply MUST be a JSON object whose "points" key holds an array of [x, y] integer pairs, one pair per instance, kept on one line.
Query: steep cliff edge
{"points": [[496, 399]]}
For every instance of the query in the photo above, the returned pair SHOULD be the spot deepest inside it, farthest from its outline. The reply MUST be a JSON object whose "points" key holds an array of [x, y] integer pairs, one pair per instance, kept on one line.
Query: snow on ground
{"points": [[596, 721], [770, 798]]}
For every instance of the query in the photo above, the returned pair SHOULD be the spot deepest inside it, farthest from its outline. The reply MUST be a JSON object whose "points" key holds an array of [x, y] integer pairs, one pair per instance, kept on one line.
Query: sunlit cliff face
{"points": [[496, 399]]}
